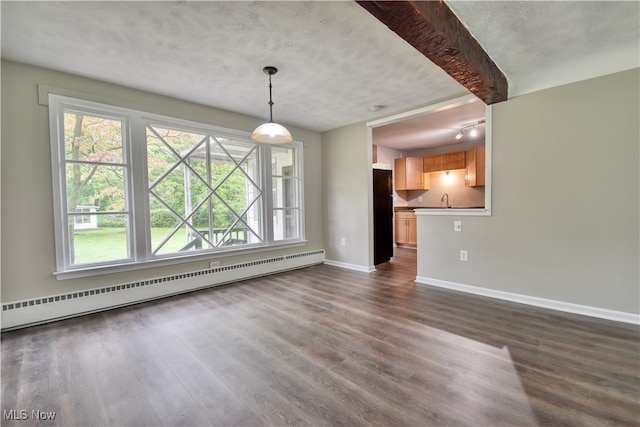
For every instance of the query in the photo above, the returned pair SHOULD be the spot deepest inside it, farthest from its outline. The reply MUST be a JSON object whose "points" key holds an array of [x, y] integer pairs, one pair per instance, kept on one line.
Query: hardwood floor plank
{"points": [[316, 388], [171, 401], [268, 405], [596, 403], [220, 405], [524, 340], [326, 346]]}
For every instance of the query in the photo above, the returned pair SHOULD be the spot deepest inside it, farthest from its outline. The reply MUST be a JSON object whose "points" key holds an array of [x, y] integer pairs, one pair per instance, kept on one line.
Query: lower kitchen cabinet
{"points": [[406, 231]]}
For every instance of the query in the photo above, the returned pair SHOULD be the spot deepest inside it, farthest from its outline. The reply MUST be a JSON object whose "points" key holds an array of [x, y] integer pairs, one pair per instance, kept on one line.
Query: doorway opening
{"points": [[414, 144]]}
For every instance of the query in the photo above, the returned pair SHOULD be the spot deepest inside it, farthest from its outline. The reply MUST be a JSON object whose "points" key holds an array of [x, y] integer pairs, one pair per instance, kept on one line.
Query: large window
{"points": [[132, 187]]}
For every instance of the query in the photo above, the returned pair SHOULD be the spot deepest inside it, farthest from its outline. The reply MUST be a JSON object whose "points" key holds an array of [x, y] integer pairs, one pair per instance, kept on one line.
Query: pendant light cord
{"points": [[271, 132], [270, 101]]}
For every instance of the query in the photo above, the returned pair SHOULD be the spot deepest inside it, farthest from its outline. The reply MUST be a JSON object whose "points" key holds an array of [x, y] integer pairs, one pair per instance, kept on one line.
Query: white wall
{"points": [[28, 256], [565, 221], [386, 155], [566, 190], [348, 180]]}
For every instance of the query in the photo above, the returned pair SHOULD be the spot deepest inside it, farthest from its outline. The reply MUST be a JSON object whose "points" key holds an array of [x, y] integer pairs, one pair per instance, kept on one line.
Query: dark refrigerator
{"points": [[382, 216]]}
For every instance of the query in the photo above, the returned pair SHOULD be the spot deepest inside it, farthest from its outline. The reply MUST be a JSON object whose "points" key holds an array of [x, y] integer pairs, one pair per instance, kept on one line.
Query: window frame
{"points": [[296, 178], [135, 123]]}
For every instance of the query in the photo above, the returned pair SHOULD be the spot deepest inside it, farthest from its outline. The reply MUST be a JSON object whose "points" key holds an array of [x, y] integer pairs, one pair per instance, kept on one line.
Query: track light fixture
{"points": [[473, 133], [271, 132]]}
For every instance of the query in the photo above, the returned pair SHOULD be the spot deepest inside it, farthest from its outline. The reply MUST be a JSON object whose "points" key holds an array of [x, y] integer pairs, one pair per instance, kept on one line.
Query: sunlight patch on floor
{"points": [[488, 389]]}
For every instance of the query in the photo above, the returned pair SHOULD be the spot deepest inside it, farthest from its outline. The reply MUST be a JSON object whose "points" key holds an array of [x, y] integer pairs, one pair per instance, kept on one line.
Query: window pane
{"points": [[92, 139], [170, 190], [206, 188], [225, 149], [170, 234], [253, 220], [170, 144], [106, 243], [282, 161], [181, 239], [234, 236], [285, 193], [285, 224], [95, 185], [198, 191]]}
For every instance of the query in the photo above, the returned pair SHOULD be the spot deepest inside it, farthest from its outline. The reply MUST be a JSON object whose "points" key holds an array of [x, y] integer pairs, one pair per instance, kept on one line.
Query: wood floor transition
{"points": [[324, 346]]}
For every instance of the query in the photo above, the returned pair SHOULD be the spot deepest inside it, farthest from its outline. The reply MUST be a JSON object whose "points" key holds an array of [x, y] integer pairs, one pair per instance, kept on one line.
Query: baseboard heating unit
{"points": [[18, 314]]}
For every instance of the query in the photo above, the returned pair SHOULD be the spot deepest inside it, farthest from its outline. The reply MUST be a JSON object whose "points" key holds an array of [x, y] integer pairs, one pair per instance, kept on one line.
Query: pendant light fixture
{"points": [[271, 132]]}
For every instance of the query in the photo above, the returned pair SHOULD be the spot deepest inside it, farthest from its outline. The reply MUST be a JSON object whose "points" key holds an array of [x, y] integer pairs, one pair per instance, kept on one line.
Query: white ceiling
{"points": [[541, 44], [336, 60], [433, 128]]}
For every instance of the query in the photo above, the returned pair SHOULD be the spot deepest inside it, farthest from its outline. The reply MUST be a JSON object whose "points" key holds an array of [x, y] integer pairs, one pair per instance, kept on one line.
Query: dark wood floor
{"points": [[325, 346]]}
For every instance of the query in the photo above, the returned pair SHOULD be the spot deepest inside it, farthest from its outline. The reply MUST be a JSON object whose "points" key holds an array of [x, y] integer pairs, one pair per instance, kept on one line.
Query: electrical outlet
{"points": [[464, 256], [457, 225], [419, 198], [343, 241], [214, 264]]}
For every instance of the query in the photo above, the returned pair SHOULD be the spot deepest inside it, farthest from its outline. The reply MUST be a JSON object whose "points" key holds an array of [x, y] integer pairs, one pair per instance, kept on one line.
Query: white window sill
{"points": [[132, 266]]}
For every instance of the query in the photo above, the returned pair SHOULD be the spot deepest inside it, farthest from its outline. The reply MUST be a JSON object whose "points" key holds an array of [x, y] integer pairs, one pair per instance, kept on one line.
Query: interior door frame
{"points": [[403, 116]]}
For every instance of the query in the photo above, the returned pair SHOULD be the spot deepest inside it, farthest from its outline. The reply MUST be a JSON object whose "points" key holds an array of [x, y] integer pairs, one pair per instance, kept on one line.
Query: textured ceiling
{"points": [[336, 60], [433, 128], [542, 44]]}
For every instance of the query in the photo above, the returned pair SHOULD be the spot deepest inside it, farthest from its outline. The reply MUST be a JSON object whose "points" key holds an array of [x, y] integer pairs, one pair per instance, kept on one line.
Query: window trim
{"points": [[136, 122]]}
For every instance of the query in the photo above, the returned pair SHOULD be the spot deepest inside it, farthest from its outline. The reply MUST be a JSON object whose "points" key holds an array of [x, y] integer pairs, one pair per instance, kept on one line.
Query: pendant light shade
{"points": [[271, 132]]}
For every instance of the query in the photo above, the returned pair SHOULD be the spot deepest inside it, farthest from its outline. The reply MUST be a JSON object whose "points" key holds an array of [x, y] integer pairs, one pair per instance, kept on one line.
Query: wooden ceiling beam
{"points": [[434, 30]]}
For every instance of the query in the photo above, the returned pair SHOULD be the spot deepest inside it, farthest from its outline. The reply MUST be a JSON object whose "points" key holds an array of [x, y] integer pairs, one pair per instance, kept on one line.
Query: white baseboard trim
{"points": [[602, 313], [19, 314], [355, 267]]}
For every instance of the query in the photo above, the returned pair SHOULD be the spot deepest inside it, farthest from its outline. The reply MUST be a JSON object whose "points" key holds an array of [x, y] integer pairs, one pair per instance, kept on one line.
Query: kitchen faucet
{"points": [[445, 196]]}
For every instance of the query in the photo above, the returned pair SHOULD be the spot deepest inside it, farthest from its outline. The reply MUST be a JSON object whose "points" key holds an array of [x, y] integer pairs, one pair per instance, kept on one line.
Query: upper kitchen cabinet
{"points": [[409, 174], [451, 161], [475, 160], [444, 162], [433, 163]]}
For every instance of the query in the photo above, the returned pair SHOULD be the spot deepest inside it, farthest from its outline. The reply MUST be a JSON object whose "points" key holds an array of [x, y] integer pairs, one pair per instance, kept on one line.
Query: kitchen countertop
{"points": [[411, 208]]}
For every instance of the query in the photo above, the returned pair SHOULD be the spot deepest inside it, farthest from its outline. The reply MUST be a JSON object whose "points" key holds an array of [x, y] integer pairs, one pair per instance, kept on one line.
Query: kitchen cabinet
{"points": [[409, 174], [452, 161], [406, 230], [433, 163], [444, 162], [475, 160]]}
